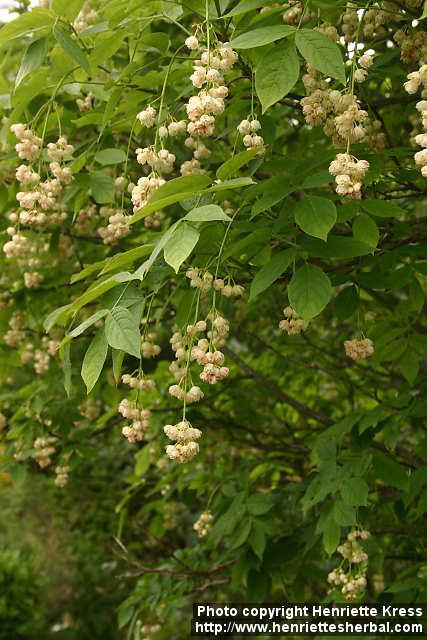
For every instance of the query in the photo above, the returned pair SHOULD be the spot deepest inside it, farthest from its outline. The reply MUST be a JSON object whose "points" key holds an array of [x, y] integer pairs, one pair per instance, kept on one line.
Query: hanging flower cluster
{"points": [[349, 173], [205, 281], [139, 420], [184, 436], [44, 450], [62, 473], [417, 80], [292, 324], [358, 349], [248, 129], [204, 524], [351, 581]]}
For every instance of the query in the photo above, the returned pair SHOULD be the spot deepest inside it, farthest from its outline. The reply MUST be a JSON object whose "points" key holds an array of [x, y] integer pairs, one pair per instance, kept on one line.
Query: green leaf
{"points": [[390, 471], [331, 536], [365, 230], [67, 9], [382, 208], [233, 164], [33, 58], [354, 491], [424, 13], [71, 47], [260, 37], [321, 53], [118, 357], [102, 187], [122, 331], [33, 21], [316, 216], [344, 514], [309, 291], [110, 156], [260, 503], [257, 539], [241, 534], [207, 213], [270, 272], [66, 368], [180, 245], [246, 5], [94, 359], [276, 74], [84, 325]]}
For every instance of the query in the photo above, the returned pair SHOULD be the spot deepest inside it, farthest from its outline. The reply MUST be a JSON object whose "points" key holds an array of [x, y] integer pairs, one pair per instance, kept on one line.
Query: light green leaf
{"points": [[424, 13], [71, 47], [246, 5], [233, 164], [122, 331], [316, 216], [321, 53], [33, 21], [365, 230], [102, 187], [67, 9], [94, 359], [84, 325], [260, 37], [110, 156], [207, 213], [180, 245], [270, 272], [33, 58], [309, 291], [276, 74]]}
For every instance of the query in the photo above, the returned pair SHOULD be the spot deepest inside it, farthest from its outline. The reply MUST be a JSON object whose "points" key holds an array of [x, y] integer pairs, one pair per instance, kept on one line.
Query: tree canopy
{"points": [[212, 294]]}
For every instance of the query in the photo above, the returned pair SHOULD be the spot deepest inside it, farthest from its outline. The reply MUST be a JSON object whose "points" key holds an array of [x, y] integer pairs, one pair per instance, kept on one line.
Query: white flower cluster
{"points": [[139, 420], [143, 190], [373, 23], [205, 281], [62, 473], [117, 228], [14, 336], [292, 324], [147, 117], [413, 45], [417, 80], [85, 18], [194, 394], [161, 162], [351, 583], [90, 409], [185, 436], [203, 108], [44, 194], [140, 383], [33, 279], [44, 449], [155, 220], [248, 130], [29, 144], [174, 129], [349, 173], [85, 104], [149, 349], [340, 114], [365, 62], [358, 349], [204, 524]]}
